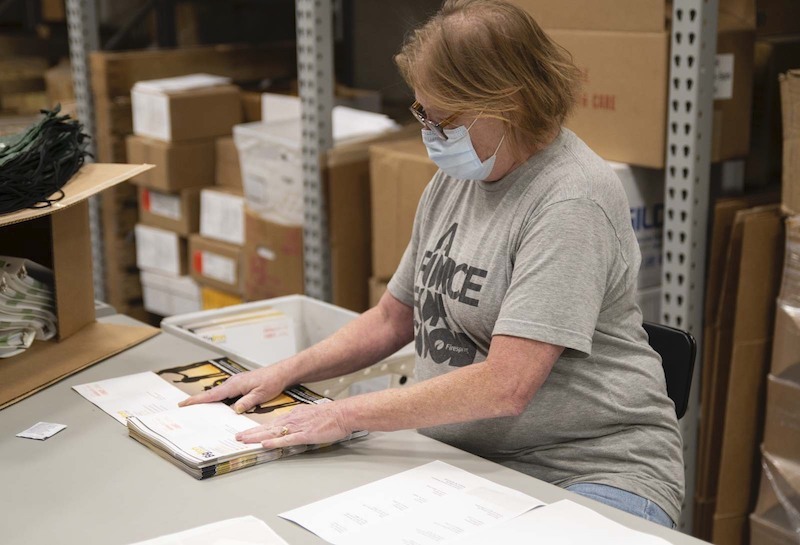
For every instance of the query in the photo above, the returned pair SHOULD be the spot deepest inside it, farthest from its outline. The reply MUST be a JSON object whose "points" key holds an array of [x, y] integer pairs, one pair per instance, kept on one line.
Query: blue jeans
{"points": [[623, 500]]}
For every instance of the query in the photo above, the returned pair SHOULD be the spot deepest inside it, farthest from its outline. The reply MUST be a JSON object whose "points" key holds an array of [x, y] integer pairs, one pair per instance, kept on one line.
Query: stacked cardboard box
{"points": [[622, 48], [113, 74], [176, 122], [271, 171], [775, 518]]}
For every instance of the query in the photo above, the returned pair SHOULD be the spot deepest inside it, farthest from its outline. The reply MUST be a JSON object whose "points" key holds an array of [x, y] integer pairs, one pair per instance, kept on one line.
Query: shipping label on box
{"points": [[179, 212], [222, 216], [217, 264], [162, 204], [160, 250], [168, 295]]}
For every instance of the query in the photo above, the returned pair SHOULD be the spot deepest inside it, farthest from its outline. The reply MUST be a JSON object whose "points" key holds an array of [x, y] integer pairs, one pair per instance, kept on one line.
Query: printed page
{"points": [[239, 531], [434, 503], [133, 395], [202, 432], [563, 523]]}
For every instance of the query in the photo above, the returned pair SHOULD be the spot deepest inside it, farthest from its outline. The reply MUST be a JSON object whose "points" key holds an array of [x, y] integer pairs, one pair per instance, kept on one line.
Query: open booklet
{"points": [[199, 439]]}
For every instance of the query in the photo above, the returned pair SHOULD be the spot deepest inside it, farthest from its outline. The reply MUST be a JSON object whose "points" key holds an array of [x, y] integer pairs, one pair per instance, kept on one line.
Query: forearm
{"points": [[503, 385], [374, 335]]}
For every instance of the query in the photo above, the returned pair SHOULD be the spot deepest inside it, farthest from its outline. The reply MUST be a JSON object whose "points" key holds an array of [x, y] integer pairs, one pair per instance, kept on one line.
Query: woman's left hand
{"points": [[305, 425]]}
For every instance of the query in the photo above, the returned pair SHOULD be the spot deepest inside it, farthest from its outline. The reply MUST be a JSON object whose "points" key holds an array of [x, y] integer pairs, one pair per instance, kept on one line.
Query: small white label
{"points": [[157, 249], [151, 115], [41, 431], [222, 216], [218, 267], [723, 77], [165, 205]]}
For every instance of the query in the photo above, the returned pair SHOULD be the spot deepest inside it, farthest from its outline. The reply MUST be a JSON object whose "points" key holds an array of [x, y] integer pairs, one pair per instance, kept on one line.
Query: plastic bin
{"points": [[313, 321]]}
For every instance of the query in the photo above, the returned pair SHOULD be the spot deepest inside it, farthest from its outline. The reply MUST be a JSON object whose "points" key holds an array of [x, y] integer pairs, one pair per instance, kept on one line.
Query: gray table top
{"points": [[91, 483]]}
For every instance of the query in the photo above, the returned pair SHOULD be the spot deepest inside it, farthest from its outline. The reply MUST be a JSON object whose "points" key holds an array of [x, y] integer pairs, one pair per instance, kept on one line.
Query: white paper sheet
{"points": [[434, 503], [202, 431], [133, 395], [239, 531], [563, 523]]}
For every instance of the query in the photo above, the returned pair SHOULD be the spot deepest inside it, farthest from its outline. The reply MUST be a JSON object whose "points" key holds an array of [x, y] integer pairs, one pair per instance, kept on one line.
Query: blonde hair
{"points": [[491, 57]]}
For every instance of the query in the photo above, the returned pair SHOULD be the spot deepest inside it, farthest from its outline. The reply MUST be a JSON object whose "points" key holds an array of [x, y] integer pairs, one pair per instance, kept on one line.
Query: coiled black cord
{"points": [[35, 165]]}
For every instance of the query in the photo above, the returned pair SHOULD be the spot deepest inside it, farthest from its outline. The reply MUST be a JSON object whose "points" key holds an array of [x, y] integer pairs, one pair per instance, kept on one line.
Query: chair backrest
{"points": [[677, 349]]}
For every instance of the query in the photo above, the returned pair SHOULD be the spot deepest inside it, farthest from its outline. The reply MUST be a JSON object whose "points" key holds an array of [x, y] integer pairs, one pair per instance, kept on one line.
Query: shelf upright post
{"points": [[84, 37], [689, 130], [315, 80]]}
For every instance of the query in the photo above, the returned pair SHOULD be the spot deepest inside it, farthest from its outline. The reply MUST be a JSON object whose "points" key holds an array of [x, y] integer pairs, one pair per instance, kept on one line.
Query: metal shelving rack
{"points": [[84, 37], [689, 126], [690, 116]]}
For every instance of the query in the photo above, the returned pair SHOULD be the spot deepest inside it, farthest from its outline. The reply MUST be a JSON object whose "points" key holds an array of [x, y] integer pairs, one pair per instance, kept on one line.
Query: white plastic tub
{"points": [[313, 321]]}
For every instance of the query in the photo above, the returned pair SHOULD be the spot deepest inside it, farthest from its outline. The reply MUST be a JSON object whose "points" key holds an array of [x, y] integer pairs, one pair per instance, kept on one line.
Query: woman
{"points": [[518, 286]]}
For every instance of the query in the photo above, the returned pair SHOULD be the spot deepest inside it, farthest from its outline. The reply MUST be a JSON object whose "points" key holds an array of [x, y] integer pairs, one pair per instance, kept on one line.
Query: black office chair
{"points": [[677, 349]]}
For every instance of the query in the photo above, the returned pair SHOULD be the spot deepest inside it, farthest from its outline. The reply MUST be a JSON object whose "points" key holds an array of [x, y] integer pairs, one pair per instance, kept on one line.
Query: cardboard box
{"points": [[782, 428], [644, 188], [185, 108], [772, 528], [742, 361], [774, 55], [222, 215], [216, 264], [214, 298], [627, 15], [273, 258], [59, 238], [160, 251], [228, 171], [270, 156], [718, 313], [622, 111], [777, 17], [786, 347], [179, 212], [165, 294], [178, 165], [790, 106], [399, 172]]}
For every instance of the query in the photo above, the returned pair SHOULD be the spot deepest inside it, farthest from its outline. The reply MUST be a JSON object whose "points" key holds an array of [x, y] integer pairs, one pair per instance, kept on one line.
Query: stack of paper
{"points": [[199, 439], [27, 307], [265, 336]]}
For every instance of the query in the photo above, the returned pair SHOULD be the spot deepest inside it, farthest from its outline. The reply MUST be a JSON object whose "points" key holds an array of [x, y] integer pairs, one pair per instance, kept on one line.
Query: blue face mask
{"points": [[456, 156]]}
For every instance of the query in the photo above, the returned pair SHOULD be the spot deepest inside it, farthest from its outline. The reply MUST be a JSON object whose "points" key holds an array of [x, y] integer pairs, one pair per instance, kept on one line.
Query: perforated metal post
{"points": [[84, 37], [691, 96], [315, 79]]}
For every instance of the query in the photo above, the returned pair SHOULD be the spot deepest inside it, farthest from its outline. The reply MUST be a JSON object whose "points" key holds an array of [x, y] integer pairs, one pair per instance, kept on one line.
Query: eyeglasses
{"points": [[422, 117]]}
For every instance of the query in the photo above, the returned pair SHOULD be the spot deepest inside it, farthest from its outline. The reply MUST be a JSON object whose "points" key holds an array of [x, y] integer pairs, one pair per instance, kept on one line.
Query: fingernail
{"points": [[238, 408]]}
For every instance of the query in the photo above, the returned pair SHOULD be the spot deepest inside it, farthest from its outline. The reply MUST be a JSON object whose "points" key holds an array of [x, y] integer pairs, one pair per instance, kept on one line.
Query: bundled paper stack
{"points": [[27, 308]]}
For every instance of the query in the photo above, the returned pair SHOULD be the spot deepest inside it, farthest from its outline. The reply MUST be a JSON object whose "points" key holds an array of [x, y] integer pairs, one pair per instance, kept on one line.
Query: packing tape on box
{"points": [[787, 495]]}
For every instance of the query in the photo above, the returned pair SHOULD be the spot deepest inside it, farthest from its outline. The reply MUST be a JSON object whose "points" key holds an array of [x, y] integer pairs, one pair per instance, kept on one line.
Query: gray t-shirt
{"points": [[547, 253]]}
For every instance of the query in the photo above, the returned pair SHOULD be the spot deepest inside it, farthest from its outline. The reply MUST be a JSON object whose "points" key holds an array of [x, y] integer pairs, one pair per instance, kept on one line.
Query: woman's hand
{"points": [[255, 387], [304, 425]]}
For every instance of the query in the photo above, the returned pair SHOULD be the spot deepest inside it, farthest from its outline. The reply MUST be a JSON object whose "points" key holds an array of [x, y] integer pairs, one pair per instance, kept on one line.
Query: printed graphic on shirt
{"points": [[439, 278]]}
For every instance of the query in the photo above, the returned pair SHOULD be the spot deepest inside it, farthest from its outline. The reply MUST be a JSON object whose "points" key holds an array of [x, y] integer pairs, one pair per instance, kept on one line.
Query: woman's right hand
{"points": [[254, 387]]}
